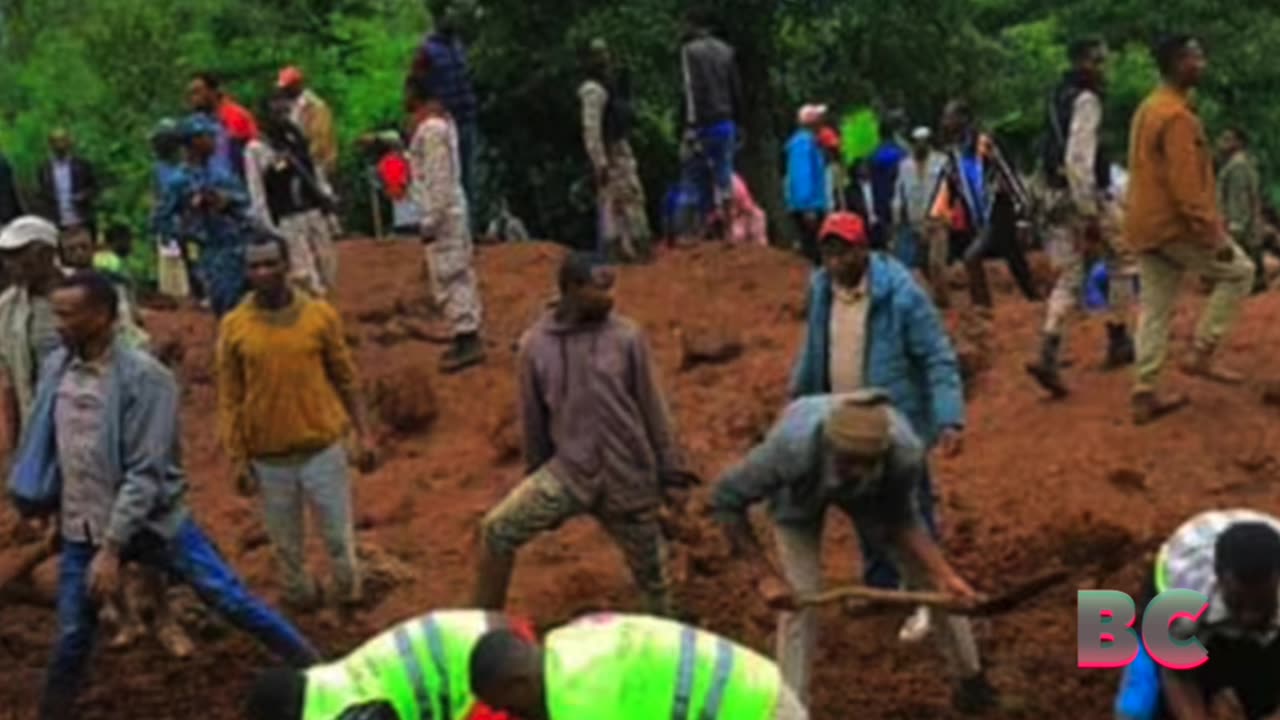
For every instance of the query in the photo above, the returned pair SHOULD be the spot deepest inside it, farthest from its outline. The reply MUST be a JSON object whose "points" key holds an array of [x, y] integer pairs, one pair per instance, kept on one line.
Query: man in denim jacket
{"points": [[105, 422]]}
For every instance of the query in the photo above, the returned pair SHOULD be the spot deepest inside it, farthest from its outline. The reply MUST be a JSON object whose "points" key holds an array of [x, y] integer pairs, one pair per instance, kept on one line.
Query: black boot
{"points": [[1120, 350], [1045, 370], [467, 350], [974, 695]]}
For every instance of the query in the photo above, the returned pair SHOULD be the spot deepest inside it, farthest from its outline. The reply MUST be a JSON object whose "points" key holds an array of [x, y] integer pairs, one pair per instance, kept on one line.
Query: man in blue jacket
{"points": [[871, 326], [105, 422], [808, 194]]}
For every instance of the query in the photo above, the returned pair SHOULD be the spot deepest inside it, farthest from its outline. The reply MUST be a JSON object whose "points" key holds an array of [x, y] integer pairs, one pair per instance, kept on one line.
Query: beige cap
{"points": [[26, 230]]}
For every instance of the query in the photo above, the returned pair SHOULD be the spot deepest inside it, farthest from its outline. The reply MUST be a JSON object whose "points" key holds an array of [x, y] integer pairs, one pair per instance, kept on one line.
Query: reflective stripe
{"points": [[404, 645], [720, 680], [1162, 569], [435, 642], [684, 673]]}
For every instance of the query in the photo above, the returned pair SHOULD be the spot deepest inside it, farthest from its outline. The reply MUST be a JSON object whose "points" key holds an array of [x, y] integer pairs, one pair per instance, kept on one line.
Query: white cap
{"points": [[810, 114], [921, 134], [26, 230]]}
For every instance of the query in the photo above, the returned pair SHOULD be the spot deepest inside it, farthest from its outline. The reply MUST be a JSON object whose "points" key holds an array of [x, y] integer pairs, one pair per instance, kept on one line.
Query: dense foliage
{"points": [[107, 69]]}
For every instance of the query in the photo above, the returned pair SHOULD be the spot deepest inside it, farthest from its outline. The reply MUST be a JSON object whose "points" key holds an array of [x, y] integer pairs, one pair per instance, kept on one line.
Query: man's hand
{"points": [[104, 574], [246, 481], [951, 441], [777, 595], [954, 585], [368, 454]]}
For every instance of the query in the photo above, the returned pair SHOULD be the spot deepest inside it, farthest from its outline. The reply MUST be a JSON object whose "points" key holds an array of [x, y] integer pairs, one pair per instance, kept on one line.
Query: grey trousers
{"points": [[800, 550], [321, 481]]}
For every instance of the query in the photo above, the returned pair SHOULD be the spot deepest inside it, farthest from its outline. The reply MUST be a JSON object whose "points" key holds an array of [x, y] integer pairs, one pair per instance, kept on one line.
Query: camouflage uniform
{"points": [[624, 226], [437, 187]]}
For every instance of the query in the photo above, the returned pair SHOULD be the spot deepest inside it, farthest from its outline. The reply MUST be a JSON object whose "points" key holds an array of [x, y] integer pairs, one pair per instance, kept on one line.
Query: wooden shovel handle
{"points": [[894, 597]]}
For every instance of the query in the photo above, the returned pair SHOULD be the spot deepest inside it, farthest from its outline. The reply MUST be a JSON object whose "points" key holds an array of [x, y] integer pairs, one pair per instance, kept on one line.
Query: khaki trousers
{"points": [[1162, 270]]}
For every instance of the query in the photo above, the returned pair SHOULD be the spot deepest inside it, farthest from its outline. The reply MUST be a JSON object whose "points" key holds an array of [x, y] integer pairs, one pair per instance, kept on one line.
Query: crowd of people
{"points": [[245, 221]]}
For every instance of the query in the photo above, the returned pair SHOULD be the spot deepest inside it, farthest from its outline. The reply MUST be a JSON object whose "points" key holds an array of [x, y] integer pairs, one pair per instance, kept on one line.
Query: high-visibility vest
{"points": [[628, 667], [420, 667]]}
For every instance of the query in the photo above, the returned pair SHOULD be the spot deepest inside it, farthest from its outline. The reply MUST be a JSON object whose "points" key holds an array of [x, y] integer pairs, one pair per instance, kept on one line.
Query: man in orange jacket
{"points": [[1174, 225]]}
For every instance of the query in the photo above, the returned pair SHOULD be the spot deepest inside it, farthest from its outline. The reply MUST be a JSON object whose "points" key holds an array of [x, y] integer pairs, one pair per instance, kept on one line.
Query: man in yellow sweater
{"points": [[287, 395]]}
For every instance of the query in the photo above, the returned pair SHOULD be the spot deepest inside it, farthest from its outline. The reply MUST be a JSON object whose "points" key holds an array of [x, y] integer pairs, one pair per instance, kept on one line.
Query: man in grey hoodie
{"points": [[598, 439]]}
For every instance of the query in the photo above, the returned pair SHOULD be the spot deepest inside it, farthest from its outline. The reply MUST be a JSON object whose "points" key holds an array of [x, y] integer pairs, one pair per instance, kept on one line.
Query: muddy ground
{"points": [[1040, 485]]}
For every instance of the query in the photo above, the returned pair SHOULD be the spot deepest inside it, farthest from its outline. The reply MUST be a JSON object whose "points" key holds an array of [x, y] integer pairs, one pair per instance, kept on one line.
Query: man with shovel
{"points": [[858, 454]]}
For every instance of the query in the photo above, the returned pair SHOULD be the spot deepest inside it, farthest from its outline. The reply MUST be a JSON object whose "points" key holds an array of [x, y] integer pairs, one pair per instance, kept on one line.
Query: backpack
{"points": [[619, 112]]}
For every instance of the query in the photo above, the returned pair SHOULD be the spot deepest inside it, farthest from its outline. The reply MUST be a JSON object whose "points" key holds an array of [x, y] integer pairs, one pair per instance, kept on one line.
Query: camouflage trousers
{"points": [[454, 285], [541, 503], [624, 225], [313, 259], [1068, 250]]}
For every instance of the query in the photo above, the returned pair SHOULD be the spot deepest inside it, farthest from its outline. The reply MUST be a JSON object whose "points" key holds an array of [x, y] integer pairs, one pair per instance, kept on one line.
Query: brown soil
{"points": [[1041, 485]]}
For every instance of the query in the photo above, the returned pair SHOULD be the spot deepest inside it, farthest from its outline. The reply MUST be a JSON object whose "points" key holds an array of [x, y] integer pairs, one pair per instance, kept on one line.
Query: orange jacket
{"points": [[1172, 192]]}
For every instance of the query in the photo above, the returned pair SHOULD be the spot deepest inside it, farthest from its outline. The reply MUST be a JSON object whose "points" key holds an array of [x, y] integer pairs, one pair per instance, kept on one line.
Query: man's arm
{"points": [[1186, 178], [326, 139], [12, 417], [254, 166], [653, 411], [149, 423], [1082, 153], [231, 396], [535, 419], [439, 177], [594, 98], [735, 90], [341, 370], [755, 478], [929, 347], [1183, 695], [89, 192]]}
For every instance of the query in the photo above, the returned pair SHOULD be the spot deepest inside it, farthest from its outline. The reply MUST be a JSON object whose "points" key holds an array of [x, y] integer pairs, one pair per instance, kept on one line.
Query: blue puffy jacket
{"points": [[806, 174], [908, 354]]}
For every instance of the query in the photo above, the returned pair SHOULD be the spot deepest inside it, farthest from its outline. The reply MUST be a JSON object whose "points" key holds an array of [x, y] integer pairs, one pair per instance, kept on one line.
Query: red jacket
{"points": [[238, 121]]}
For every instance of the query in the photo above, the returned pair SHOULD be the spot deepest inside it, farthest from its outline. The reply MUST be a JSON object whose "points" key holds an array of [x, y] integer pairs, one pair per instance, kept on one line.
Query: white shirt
{"points": [[62, 186], [848, 335]]}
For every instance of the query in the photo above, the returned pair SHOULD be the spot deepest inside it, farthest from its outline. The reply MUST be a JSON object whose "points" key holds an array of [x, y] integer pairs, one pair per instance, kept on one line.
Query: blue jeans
{"points": [[191, 558], [878, 569], [711, 170]]}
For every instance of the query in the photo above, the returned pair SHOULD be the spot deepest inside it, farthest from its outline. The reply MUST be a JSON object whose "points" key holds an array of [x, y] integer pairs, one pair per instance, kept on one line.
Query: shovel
{"points": [[986, 606]]}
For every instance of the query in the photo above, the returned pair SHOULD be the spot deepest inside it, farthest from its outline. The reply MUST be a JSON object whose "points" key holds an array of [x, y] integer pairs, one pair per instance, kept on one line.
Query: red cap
{"points": [[845, 225], [289, 76], [828, 139]]}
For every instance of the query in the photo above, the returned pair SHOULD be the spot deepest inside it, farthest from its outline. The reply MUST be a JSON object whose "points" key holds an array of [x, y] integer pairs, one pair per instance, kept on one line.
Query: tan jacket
{"points": [[1172, 193]]}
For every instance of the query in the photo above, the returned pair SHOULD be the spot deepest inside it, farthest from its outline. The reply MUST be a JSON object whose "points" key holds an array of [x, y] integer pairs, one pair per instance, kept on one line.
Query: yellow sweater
{"points": [[280, 378]]}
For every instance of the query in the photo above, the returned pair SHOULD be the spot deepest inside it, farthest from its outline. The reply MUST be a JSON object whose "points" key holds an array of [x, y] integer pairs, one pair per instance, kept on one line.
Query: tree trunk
{"points": [[752, 35]]}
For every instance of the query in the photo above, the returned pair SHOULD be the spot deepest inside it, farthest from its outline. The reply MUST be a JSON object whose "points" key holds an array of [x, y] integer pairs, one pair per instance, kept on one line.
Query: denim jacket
{"points": [[792, 469], [141, 435], [908, 354]]}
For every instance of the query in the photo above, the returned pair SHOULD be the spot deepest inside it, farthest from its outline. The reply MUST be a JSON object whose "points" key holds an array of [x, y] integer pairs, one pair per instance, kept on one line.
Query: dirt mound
{"points": [[1040, 486]]}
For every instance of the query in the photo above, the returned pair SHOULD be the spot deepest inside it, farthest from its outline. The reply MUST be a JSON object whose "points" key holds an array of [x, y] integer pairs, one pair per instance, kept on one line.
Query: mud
{"points": [[1041, 485]]}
